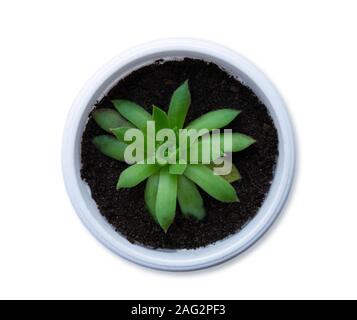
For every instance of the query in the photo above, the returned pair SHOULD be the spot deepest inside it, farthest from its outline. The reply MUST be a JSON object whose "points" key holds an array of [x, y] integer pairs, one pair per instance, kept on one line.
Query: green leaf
{"points": [[179, 105], [133, 112], [240, 142], [215, 186], [161, 119], [177, 168], [109, 118], [110, 146], [119, 133], [189, 198], [165, 208], [214, 119], [233, 176], [151, 188], [135, 174]]}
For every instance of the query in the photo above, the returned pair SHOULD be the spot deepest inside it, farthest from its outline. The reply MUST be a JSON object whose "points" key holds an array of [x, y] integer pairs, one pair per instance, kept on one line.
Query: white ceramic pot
{"points": [[103, 81]]}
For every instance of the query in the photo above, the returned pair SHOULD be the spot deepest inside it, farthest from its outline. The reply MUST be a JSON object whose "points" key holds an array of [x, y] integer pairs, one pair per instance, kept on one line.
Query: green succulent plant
{"points": [[167, 183]]}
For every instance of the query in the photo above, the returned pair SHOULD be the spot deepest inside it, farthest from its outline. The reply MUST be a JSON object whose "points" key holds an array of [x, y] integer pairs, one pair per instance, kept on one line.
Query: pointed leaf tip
{"points": [[161, 119], [179, 105], [240, 142]]}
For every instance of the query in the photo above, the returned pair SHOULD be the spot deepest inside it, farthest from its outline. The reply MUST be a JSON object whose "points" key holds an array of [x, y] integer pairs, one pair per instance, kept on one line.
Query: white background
{"points": [[50, 48]]}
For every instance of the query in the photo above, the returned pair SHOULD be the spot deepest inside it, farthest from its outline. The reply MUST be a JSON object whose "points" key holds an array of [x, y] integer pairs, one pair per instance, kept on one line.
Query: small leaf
{"points": [[165, 208], [240, 142], [110, 146], [177, 168], [135, 174], [151, 188], [161, 119], [215, 186], [233, 176], [214, 119], [133, 112], [109, 118], [179, 105], [119, 133], [190, 199]]}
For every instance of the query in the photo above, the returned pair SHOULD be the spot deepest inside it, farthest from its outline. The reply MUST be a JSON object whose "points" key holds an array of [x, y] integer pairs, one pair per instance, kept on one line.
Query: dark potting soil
{"points": [[211, 88]]}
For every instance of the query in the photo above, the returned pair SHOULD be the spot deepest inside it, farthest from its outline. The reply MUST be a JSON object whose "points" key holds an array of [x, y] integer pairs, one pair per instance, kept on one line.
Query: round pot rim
{"points": [[193, 259]]}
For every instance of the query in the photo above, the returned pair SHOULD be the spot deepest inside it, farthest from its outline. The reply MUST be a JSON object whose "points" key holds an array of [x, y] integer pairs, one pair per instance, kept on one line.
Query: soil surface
{"points": [[211, 88]]}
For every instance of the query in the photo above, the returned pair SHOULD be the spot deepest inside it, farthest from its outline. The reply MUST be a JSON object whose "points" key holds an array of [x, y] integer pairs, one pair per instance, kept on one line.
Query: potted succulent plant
{"points": [[188, 184], [169, 180]]}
